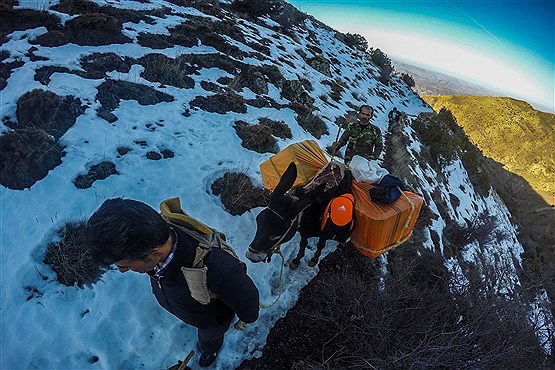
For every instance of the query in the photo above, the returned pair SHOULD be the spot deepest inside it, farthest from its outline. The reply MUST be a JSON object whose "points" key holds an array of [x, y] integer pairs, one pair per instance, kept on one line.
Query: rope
{"points": [[280, 282], [239, 325], [412, 207], [386, 249]]}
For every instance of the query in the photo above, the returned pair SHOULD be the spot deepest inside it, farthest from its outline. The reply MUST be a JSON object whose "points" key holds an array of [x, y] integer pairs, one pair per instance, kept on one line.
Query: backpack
{"points": [[338, 220], [207, 237]]}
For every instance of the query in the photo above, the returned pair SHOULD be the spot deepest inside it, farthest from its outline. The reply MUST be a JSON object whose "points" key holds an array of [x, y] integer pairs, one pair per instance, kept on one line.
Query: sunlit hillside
{"points": [[511, 132]]}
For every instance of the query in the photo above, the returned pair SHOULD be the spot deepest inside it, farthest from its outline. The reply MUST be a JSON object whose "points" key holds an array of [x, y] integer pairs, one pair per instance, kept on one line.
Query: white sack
{"points": [[365, 170]]}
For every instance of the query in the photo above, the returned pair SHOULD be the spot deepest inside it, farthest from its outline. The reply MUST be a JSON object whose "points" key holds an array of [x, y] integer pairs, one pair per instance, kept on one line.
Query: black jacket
{"points": [[227, 277]]}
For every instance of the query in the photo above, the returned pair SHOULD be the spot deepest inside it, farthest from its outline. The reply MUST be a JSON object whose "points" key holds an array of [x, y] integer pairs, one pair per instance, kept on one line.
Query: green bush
{"points": [[382, 61], [406, 78], [354, 40], [257, 8], [437, 137]]}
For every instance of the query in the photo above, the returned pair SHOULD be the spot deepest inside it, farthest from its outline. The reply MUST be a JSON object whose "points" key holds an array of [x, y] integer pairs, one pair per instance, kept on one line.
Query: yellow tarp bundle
{"points": [[308, 157]]}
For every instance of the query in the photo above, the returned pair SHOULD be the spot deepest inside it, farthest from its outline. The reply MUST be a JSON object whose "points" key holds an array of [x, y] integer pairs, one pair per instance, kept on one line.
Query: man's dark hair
{"points": [[367, 107], [123, 228]]}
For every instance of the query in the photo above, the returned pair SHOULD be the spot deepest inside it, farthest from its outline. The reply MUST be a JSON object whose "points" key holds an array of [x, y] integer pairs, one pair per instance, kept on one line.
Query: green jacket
{"points": [[365, 141]]}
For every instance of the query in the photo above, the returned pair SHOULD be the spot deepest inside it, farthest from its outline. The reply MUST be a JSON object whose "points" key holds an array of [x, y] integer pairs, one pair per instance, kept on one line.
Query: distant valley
{"points": [[429, 82]]}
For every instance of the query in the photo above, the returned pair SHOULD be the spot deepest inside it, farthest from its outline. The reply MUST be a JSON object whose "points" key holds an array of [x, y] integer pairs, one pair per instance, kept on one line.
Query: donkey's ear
{"points": [[287, 180]]}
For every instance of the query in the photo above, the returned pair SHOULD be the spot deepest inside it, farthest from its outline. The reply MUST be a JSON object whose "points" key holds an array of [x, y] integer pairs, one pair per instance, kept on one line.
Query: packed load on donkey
{"points": [[298, 203]]}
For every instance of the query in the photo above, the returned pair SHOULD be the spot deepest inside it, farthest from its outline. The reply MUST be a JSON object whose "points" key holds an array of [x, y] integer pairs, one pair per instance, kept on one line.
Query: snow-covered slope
{"points": [[116, 323]]}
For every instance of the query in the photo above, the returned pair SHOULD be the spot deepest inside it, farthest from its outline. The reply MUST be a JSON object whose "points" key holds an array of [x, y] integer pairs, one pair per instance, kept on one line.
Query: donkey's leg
{"points": [[319, 246], [297, 260]]}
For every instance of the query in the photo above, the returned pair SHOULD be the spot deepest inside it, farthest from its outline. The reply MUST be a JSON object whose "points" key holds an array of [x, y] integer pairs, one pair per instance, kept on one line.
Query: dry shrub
{"points": [[295, 92], [23, 19], [167, 71], [95, 29], [52, 39], [219, 43], [47, 111], [352, 317], [97, 64], [256, 137], [256, 8], [251, 77], [43, 74], [279, 128], [238, 194], [220, 103], [99, 171], [308, 121], [152, 41], [337, 89], [111, 92], [6, 70], [321, 64], [70, 258], [26, 156]]}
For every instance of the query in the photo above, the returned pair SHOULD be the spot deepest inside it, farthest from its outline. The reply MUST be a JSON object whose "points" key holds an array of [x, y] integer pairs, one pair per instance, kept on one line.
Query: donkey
{"points": [[285, 215]]}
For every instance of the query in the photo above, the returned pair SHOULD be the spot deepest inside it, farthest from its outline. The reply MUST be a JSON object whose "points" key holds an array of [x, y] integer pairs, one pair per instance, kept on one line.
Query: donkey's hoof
{"points": [[312, 262], [293, 265]]}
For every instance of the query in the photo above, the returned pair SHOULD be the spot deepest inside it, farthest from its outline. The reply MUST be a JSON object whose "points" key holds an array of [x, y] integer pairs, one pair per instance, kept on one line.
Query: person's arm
{"points": [[343, 139], [235, 288], [378, 143]]}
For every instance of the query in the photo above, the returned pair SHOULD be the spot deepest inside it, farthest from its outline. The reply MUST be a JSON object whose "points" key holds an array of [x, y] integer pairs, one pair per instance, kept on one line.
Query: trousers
{"points": [[212, 339]]}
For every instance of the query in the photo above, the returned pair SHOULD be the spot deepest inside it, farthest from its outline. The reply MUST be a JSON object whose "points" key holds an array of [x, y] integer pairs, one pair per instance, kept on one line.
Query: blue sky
{"points": [[505, 45]]}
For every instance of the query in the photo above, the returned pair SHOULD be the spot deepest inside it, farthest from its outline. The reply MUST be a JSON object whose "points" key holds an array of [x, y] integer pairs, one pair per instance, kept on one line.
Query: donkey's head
{"points": [[278, 223]]}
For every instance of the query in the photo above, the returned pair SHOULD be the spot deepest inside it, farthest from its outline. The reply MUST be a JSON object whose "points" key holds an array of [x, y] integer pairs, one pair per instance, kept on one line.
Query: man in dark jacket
{"points": [[133, 236], [394, 115], [362, 138]]}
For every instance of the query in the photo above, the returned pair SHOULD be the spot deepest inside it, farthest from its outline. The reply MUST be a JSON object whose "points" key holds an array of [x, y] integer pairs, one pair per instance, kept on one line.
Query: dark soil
{"points": [[351, 316], [294, 340]]}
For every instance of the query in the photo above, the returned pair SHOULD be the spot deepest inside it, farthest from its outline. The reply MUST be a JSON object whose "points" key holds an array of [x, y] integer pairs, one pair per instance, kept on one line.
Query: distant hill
{"points": [[429, 82], [511, 132]]}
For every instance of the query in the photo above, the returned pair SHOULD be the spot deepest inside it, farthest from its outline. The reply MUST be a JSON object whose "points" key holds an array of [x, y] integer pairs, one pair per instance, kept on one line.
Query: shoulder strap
{"points": [[206, 236]]}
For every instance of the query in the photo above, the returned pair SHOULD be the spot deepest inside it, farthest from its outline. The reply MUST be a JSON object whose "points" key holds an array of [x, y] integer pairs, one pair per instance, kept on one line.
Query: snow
{"points": [[116, 323]]}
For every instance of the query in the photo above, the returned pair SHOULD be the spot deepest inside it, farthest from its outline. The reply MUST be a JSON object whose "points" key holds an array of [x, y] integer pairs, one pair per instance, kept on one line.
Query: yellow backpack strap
{"points": [[171, 210]]}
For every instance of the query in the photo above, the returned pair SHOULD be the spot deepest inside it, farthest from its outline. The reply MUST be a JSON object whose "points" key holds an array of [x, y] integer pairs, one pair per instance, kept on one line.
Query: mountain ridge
{"points": [[511, 132]]}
